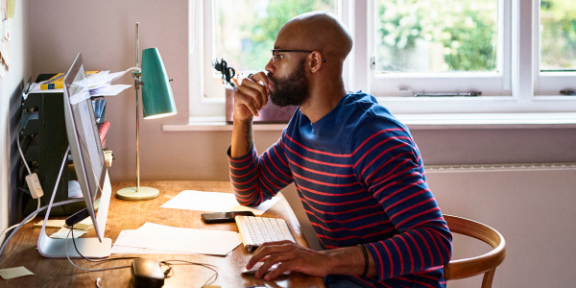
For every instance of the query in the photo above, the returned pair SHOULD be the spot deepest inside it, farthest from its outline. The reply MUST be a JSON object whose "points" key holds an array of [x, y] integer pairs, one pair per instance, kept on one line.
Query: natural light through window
{"points": [[436, 36], [557, 35], [245, 30]]}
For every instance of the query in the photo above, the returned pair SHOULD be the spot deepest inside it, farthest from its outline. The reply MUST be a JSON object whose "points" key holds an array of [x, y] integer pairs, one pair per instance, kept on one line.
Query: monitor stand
{"points": [[89, 247]]}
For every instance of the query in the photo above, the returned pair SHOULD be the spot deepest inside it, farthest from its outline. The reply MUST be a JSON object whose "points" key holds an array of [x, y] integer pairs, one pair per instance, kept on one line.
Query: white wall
{"points": [[10, 92]]}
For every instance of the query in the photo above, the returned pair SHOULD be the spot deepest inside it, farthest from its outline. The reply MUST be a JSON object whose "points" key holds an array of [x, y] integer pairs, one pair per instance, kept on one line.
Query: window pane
{"points": [[245, 30], [436, 36], [557, 35]]}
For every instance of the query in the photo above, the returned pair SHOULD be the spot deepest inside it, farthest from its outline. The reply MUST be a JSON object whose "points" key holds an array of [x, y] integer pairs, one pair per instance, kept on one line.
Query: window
{"points": [[556, 46], [402, 47], [438, 46], [244, 32]]}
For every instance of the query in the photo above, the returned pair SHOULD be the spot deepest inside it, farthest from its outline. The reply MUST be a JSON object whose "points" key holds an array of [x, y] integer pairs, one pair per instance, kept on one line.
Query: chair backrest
{"points": [[486, 263]]}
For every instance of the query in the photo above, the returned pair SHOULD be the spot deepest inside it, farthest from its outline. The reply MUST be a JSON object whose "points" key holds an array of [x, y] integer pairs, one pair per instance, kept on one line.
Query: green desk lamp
{"points": [[157, 102]]}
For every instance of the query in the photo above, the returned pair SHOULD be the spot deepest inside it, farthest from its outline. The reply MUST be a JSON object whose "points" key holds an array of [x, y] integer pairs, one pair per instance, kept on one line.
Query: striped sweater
{"points": [[361, 179]]}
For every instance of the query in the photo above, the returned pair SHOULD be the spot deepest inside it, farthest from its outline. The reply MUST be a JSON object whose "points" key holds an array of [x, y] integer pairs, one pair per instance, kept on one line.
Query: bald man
{"points": [[356, 168]]}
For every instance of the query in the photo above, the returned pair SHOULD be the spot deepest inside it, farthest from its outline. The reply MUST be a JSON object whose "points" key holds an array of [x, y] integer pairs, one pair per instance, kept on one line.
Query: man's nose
{"points": [[270, 66]]}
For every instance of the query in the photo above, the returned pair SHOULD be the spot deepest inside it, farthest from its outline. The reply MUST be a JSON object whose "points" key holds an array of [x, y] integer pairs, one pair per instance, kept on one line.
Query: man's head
{"points": [[295, 74]]}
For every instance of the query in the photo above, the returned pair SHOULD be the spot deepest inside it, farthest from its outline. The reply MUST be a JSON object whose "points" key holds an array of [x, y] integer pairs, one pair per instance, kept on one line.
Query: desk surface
{"points": [[125, 215]]}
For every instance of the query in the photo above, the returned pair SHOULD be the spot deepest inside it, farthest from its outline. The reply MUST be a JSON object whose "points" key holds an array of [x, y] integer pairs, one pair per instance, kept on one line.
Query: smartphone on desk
{"points": [[224, 217]]}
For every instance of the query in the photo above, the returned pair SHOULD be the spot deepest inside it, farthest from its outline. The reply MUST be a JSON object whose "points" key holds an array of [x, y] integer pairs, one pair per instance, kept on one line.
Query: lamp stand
{"points": [[137, 193]]}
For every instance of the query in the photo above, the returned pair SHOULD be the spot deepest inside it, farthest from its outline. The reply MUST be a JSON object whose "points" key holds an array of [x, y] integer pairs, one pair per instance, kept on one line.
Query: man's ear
{"points": [[316, 61]]}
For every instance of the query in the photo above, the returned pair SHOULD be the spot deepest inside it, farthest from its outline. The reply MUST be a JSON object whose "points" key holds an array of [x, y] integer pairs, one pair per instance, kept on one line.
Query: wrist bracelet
{"points": [[365, 260]]}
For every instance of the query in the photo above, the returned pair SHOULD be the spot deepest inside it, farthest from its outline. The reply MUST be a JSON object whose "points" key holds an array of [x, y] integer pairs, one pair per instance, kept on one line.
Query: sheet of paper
{"points": [[63, 232], [111, 90], [15, 272], [116, 249], [52, 223], [10, 5], [159, 237], [214, 201]]}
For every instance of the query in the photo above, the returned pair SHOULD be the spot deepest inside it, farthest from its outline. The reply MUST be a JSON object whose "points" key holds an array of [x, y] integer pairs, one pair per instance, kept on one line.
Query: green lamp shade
{"points": [[157, 98]]}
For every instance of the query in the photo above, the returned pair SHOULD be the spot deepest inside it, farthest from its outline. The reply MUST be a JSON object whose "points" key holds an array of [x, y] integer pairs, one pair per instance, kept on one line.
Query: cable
{"points": [[16, 225], [208, 266], [86, 269], [29, 216], [33, 214], [92, 260], [18, 144], [29, 172]]}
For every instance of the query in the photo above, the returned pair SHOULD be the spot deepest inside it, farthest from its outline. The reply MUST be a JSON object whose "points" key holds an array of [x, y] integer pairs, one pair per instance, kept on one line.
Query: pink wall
{"points": [[103, 31]]}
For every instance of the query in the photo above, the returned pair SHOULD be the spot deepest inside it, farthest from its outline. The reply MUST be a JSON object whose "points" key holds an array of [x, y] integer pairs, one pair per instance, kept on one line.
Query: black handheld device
{"points": [[224, 217]]}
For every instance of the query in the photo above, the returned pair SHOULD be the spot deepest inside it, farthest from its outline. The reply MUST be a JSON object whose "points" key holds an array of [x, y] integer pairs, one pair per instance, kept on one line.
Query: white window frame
{"points": [[518, 44], [547, 83]]}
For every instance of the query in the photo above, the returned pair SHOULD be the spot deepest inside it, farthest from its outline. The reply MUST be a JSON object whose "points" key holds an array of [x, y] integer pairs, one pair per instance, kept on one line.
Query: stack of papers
{"points": [[159, 239]]}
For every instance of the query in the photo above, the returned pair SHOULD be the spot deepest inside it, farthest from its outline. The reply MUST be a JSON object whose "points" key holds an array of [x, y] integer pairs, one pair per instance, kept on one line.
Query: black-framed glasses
{"points": [[276, 57]]}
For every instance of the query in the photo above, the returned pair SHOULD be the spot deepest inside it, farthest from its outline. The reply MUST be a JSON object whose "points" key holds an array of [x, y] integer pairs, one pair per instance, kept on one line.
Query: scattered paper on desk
{"points": [[15, 272], [85, 224], [116, 249], [160, 237], [63, 233], [52, 223], [213, 201]]}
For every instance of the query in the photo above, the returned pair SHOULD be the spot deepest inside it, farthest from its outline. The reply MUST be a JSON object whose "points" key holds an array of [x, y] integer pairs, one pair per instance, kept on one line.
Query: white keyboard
{"points": [[256, 231]]}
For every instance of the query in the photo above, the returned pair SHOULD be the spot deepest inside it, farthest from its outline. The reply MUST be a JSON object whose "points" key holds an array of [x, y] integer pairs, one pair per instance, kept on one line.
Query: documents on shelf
{"points": [[173, 240], [213, 202], [99, 83]]}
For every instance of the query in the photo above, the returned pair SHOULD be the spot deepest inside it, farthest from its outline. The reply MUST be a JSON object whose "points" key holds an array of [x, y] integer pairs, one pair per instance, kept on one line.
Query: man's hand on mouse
{"points": [[291, 256], [251, 96]]}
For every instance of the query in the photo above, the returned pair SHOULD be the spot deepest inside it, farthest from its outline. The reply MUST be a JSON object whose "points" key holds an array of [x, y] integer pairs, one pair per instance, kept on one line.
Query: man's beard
{"points": [[292, 90]]}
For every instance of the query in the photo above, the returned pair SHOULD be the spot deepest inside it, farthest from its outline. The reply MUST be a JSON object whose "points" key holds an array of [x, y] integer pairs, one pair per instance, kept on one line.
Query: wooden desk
{"points": [[125, 215]]}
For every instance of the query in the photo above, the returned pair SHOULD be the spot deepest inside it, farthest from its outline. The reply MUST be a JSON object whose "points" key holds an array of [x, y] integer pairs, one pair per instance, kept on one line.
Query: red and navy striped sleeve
{"points": [[256, 179], [387, 162]]}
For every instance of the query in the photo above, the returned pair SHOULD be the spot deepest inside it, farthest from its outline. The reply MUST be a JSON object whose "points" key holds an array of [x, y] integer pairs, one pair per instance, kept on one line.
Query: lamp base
{"points": [[130, 194]]}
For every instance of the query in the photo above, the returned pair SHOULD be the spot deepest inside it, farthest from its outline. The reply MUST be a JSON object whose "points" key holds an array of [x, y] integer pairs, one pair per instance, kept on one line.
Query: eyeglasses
{"points": [[277, 57]]}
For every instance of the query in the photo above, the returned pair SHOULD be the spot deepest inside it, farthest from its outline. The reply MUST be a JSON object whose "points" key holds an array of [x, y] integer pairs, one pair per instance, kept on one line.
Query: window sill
{"points": [[439, 121]]}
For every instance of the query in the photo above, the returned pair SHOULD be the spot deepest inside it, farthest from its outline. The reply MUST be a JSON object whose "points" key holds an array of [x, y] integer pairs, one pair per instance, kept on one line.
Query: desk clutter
{"points": [[43, 138]]}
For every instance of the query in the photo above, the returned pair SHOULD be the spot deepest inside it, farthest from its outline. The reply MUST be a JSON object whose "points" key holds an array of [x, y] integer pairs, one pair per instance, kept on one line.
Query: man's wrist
{"points": [[345, 261]]}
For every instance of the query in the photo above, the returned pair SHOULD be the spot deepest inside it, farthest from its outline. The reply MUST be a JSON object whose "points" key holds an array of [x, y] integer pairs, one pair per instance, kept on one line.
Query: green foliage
{"points": [[558, 34], [265, 29], [465, 29]]}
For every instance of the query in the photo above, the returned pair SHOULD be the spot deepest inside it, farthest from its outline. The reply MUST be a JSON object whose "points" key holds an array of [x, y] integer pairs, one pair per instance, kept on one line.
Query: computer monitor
{"points": [[89, 164]]}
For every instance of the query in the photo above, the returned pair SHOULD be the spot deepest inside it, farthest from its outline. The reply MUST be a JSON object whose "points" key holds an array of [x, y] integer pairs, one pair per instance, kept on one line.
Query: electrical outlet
{"points": [[34, 186]]}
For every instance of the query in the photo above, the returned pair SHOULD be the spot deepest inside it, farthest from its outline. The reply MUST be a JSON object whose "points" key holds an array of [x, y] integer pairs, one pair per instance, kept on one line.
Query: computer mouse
{"points": [[146, 272]]}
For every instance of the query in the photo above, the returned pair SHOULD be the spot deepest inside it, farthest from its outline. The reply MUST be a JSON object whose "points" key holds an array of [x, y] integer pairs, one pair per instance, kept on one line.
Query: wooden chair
{"points": [[487, 263]]}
